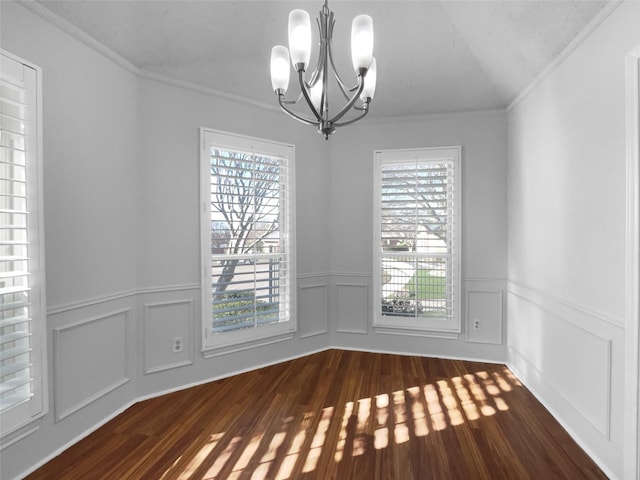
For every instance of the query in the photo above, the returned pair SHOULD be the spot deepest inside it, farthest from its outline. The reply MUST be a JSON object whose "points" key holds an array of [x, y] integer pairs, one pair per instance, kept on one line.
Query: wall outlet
{"points": [[476, 324], [177, 344]]}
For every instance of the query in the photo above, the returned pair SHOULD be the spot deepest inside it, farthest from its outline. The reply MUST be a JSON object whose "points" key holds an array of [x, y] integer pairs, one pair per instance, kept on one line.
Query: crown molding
{"points": [[595, 22], [86, 39], [372, 120], [80, 35]]}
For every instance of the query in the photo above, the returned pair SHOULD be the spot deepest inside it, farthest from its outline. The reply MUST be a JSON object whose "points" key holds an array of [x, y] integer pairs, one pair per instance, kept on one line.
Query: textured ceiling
{"points": [[433, 56]]}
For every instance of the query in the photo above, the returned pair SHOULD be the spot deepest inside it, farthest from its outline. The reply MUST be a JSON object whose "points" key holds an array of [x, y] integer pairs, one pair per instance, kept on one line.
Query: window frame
{"points": [[239, 339], [425, 326], [36, 406]]}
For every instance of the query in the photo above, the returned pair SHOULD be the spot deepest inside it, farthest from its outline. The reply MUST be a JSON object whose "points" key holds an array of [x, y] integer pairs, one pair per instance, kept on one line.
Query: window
{"points": [[417, 240], [247, 239], [22, 296]]}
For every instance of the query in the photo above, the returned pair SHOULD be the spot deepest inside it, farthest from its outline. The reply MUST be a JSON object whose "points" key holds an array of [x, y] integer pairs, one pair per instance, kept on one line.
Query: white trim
{"points": [[38, 404], [594, 314], [19, 437], [304, 276], [405, 353], [167, 391], [406, 156], [90, 302], [501, 296], [240, 339], [606, 431], [568, 50], [632, 333], [57, 335], [365, 327], [248, 345], [146, 322], [102, 49], [426, 117], [78, 34], [351, 274], [557, 417], [415, 332], [325, 287], [86, 39]]}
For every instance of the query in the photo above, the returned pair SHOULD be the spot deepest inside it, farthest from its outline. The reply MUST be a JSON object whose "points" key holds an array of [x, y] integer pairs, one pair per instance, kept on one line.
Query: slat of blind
{"points": [[13, 305], [14, 336], [14, 321], [14, 400], [13, 352], [14, 368], [15, 383], [13, 274]]}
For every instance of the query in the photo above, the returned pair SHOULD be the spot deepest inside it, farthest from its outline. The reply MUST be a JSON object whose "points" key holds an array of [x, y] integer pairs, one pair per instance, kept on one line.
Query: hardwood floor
{"points": [[336, 415]]}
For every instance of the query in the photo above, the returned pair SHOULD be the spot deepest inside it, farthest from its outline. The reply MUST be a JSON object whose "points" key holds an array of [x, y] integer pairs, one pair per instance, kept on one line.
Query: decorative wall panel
{"points": [[484, 316], [90, 360], [168, 335], [352, 308], [313, 309]]}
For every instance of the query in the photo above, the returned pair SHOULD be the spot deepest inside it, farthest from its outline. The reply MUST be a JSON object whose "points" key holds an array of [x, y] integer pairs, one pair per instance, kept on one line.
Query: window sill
{"points": [[415, 332], [210, 351]]}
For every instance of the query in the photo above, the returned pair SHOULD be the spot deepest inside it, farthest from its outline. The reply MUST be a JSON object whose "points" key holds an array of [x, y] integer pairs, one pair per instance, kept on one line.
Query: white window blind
{"points": [[21, 267], [417, 239], [248, 246]]}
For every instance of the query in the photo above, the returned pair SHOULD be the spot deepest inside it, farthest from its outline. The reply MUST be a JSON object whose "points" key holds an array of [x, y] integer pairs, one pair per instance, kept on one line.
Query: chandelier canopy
{"points": [[315, 90]]}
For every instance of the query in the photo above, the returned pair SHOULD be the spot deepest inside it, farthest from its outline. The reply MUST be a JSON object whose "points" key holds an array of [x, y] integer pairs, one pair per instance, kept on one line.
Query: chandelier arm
{"points": [[362, 115], [318, 70], [351, 102], [294, 115], [305, 94], [343, 87], [292, 102]]}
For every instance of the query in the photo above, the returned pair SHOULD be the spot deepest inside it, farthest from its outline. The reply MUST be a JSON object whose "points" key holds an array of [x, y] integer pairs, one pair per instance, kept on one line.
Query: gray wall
{"points": [[567, 238], [121, 226], [483, 139], [122, 233]]}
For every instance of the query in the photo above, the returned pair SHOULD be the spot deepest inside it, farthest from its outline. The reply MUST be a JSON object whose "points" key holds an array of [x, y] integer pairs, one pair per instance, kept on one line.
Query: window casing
{"points": [[248, 243], [417, 240], [22, 289]]}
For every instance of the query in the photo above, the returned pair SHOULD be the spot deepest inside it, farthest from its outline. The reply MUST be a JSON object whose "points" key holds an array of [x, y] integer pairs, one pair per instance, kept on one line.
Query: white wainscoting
{"points": [[352, 303], [484, 306], [91, 359], [313, 306], [565, 353], [163, 322], [103, 343]]}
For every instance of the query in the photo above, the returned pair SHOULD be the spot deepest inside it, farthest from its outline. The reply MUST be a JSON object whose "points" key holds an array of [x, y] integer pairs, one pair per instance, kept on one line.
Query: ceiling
{"points": [[432, 56]]}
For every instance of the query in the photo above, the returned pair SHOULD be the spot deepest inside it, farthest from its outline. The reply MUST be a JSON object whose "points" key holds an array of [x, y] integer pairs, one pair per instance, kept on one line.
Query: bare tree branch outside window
{"points": [[245, 211]]}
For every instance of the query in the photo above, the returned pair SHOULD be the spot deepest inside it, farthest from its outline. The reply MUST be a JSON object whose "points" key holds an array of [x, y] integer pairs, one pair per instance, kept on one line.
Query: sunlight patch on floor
{"points": [[367, 424]]}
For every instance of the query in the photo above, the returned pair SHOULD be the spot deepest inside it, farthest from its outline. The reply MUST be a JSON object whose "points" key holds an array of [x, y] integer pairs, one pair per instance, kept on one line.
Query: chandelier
{"points": [[315, 90]]}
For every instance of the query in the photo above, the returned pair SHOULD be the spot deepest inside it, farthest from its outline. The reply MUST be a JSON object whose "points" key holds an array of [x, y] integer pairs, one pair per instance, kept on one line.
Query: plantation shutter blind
{"points": [[21, 293], [418, 238], [249, 204], [248, 239]]}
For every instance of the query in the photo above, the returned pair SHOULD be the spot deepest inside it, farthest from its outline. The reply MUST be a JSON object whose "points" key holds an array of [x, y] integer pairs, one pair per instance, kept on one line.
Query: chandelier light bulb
{"points": [[370, 82], [280, 68], [300, 38], [361, 42]]}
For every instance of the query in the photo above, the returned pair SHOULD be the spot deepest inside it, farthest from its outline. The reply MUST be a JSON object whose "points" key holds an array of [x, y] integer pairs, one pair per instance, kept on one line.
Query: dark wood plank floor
{"points": [[336, 415]]}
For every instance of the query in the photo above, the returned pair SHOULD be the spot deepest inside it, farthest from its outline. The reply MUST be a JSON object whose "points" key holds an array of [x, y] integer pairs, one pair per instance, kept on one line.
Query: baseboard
{"points": [[521, 377]]}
